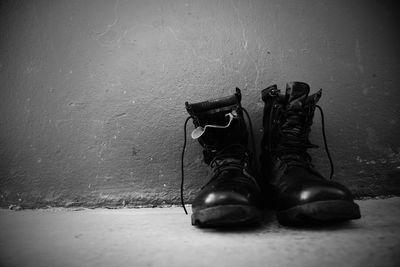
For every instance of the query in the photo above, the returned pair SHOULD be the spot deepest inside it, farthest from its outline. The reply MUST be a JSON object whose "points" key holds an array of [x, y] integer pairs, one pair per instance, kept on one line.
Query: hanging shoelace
{"points": [[182, 158], [228, 151], [325, 142]]}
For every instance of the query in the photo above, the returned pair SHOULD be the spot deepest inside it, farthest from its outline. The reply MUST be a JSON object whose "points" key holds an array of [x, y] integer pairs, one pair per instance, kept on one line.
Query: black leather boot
{"points": [[232, 196], [300, 194]]}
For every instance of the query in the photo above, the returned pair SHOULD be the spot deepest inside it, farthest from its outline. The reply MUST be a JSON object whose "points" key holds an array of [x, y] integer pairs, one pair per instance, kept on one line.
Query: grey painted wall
{"points": [[93, 92]]}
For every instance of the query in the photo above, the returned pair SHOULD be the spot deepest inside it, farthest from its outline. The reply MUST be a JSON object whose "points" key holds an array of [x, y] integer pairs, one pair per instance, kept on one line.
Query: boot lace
{"points": [[233, 156], [293, 133]]}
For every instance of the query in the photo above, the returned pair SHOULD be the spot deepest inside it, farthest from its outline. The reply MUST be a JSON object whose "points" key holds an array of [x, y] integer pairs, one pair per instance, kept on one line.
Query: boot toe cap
{"points": [[220, 198], [303, 193]]}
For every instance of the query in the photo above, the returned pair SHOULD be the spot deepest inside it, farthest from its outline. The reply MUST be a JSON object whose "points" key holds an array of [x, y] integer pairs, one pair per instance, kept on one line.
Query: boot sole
{"points": [[319, 212], [226, 215]]}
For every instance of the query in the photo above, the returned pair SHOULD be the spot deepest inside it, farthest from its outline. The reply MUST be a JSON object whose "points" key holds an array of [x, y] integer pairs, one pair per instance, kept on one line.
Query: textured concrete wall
{"points": [[92, 92]]}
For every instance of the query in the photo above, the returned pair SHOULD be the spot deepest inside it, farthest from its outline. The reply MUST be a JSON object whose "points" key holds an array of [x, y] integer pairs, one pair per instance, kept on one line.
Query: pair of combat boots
{"points": [[239, 191]]}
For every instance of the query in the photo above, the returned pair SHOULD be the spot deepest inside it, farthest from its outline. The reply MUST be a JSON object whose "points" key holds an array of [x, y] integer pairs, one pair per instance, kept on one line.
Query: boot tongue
{"points": [[294, 122], [296, 94]]}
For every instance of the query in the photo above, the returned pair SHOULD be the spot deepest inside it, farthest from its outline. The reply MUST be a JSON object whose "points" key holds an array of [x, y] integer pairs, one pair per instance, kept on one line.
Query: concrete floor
{"points": [[165, 237]]}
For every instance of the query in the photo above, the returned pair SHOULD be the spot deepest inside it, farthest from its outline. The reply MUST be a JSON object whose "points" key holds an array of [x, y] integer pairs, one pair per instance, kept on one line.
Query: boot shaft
{"points": [[287, 122], [227, 114]]}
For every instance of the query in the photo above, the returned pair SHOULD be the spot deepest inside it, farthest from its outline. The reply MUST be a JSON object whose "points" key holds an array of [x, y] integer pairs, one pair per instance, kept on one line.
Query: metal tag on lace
{"points": [[199, 131]]}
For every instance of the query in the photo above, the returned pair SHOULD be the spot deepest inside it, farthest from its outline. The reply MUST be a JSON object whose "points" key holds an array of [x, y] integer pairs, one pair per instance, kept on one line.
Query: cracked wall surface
{"points": [[92, 92]]}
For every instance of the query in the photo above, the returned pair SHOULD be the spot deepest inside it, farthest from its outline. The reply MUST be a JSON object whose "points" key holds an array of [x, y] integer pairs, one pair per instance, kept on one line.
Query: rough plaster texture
{"points": [[93, 92]]}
